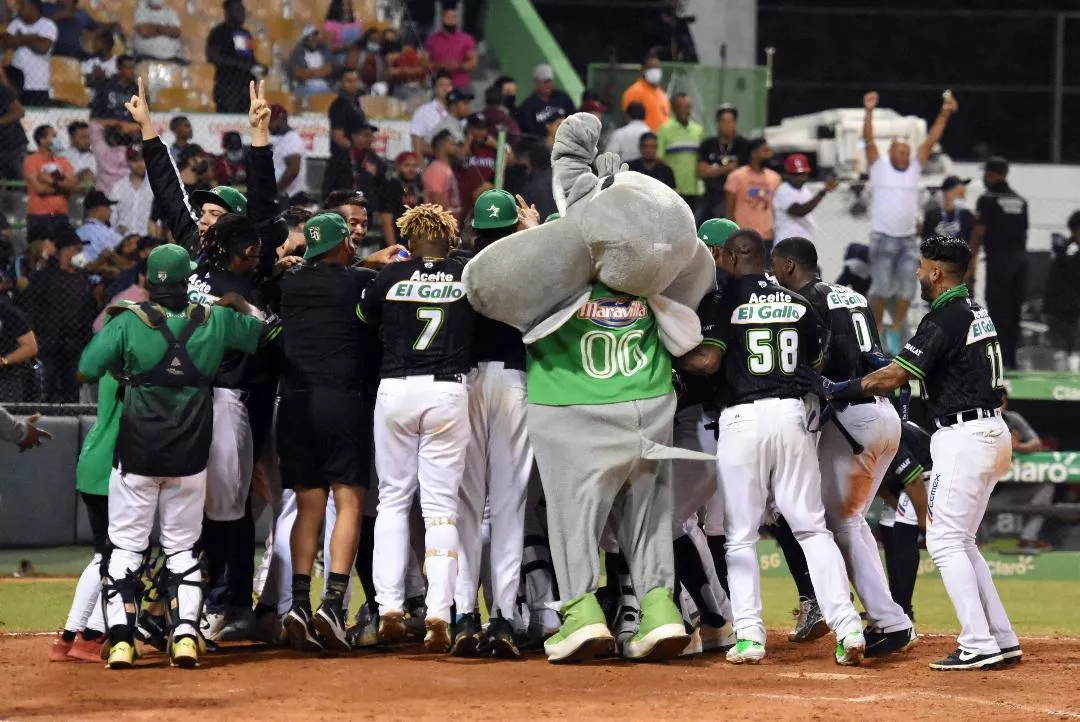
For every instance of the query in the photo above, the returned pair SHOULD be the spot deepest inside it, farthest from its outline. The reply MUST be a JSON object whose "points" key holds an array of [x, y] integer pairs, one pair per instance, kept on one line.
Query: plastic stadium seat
{"points": [[381, 106], [74, 93], [177, 100], [195, 29], [160, 75], [280, 97], [201, 77], [320, 103], [283, 32], [65, 70]]}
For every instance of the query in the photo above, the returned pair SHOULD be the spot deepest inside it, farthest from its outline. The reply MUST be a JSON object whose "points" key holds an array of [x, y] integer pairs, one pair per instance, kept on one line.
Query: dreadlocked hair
{"points": [[428, 221], [232, 233]]}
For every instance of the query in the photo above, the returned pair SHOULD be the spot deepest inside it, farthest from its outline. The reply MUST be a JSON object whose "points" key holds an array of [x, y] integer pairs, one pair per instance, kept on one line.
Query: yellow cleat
{"points": [[184, 653], [121, 656]]}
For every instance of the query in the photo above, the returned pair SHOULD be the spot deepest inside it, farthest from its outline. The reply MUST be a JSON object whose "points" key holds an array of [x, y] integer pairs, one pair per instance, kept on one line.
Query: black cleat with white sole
{"points": [[300, 632], [882, 644], [961, 660], [1011, 655], [330, 626]]}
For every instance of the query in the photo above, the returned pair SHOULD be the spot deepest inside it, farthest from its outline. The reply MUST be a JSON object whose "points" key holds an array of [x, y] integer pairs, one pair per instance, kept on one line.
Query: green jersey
{"points": [[608, 352], [99, 447], [677, 145]]}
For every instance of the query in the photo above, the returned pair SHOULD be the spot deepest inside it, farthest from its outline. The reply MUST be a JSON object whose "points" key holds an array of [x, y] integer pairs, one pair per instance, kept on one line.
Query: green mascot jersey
{"points": [[607, 353]]}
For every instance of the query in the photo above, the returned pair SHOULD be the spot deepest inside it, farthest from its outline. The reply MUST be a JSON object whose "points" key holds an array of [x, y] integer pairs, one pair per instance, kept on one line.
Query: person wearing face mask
{"points": [[952, 218], [157, 32], [452, 49], [407, 68], [230, 168], [498, 117], [648, 91], [309, 67]]}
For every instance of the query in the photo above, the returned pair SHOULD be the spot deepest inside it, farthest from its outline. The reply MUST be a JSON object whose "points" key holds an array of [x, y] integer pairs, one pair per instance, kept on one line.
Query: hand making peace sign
{"points": [[259, 114]]}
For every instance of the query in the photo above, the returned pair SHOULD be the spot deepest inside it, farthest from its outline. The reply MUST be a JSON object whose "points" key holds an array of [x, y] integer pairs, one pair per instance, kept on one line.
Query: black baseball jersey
{"points": [[206, 285], [848, 328], [766, 332], [424, 319], [956, 356], [911, 461]]}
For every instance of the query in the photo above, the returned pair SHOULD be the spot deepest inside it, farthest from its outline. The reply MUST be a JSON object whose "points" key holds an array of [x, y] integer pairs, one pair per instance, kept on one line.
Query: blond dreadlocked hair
{"points": [[428, 221]]}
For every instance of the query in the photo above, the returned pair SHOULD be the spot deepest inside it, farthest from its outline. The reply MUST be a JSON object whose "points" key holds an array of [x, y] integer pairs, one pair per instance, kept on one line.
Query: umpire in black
{"points": [[1001, 226]]}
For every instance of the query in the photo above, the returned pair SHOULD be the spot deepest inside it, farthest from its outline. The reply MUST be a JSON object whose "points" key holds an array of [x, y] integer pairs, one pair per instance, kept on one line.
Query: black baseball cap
{"points": [[952, 181], [997, 164], [97, 199], [457, 95], [476, 120]]}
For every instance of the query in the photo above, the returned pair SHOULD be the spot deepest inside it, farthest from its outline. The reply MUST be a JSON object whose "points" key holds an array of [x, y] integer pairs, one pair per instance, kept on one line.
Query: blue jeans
{"points": [[893, 263]]}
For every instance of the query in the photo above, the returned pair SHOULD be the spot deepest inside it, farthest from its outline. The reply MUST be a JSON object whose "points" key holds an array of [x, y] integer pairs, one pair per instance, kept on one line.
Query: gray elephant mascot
{"points": [[605, 297]]}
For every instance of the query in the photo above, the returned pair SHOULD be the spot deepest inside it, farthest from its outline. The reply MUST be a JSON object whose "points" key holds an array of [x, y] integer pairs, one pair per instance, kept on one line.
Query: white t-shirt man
{"points": [[788, 225], [81, 160], [131, 214], [626, 141], [160, 47], [35, 66], [894, 207], [426, 117], [284, 146]]}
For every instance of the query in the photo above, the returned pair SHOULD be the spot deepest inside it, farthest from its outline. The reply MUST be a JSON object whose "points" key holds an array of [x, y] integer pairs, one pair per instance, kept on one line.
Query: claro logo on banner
{"points": [[1056, 468]]}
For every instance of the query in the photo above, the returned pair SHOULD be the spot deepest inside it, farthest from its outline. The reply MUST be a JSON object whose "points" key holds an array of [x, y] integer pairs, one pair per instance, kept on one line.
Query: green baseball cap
{"points": [[716, 231], [226, 196], [168, 264], [553, 217], [324, 232], [495, 209]]}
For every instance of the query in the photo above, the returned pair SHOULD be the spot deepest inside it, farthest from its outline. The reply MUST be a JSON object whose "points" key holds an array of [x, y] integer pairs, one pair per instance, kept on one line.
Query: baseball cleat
{"points": [[331, 630], [300, 632], [584, 633], [184, 653], [466, 635], [212, 622], [881, 644], [365, 633], [851, 649], [437, 639], [746, 651], [963, 660], [392, 627], [121, 656], [1011, 655], [60, 649], [151, 630], [84, 650], [810, 623], [268, 629], [662, 634], [717, 638], [238, 625], [415, 614], [500, 634], [694, 646]]}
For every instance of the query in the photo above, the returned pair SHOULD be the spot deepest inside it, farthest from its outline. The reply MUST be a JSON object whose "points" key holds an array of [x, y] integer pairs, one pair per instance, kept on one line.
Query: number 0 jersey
{"points": [[424, 319], [608, 352], [956, 356], [849, 329], [766, 332]]}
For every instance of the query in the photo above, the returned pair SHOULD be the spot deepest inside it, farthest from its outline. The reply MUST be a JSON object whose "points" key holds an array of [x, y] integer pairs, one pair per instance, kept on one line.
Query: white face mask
{"points": [[959, 204], [653, 76]]}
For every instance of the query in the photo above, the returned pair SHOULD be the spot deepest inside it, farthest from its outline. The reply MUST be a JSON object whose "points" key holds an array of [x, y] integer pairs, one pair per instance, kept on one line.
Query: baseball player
{"points": [[499, 458], [166, 351], [857, 443], [421, 416], [756, 336], [956, 357]]}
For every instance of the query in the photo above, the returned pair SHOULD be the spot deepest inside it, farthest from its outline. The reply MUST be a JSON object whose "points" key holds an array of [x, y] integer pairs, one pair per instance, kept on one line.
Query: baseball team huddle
{"points": [[453, 422]]}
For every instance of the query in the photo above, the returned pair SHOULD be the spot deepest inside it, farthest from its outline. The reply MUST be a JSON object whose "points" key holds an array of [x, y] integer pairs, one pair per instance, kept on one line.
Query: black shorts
{"points": [[324, 438], [97, 511]]}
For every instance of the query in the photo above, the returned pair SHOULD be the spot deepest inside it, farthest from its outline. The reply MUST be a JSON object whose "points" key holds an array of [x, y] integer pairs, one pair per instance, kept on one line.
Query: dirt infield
{"points": [[794, 683]]}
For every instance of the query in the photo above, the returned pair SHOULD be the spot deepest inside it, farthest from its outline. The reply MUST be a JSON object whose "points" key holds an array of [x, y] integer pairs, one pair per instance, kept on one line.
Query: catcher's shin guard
{"points": [[121, 592], [181, 583]]}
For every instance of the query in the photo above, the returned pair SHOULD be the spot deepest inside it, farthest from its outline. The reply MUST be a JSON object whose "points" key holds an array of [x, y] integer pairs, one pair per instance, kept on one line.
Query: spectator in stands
{"points": [[309, 67], [626, 140], [402, 189], [126, 262], [341, 27], [345, 113], [1025, 440], [361, 170], [430, 114], [32, 37], [368, 58], [79, 154], [672, 36], [61, 307], [134, 197], [795, 202], [718, 157], [508, 87], [499, 118], [649, 163], [750, 191], [71, 22], [231, 48], [18, 347], [408, 68], [458, 106], [50, 180], [1061, 301], [157, 32], [647, 91], [1001, 226], [537, 190], [180, 127], [440, 184], [12, 135], [591, 103], [134, 291], [230, 168], [545, 101], [452, 49], [290, 156], [112, 131], [101, 65], [96, 232], [476, 173], [195, 171], [679, 139], [551, 127], [952, 217]]}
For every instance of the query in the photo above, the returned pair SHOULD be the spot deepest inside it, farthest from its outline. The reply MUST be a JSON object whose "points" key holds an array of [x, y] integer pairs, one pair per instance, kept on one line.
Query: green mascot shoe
{"points": [[662, 634], [584, 633]]}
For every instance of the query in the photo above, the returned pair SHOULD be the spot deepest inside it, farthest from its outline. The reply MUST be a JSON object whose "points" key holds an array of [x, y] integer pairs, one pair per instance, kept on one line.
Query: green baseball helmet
{"points": [[494, 209], [324, 233], [227, 197], [716, 231], [169, 263]]}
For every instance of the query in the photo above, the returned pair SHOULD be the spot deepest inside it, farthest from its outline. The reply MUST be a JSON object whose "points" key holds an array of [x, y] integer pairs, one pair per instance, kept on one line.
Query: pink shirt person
{"points": [[453, 49]]}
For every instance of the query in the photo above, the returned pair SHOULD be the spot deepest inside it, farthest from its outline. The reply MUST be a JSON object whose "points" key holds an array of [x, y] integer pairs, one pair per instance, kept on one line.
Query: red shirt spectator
{"points": [[452, 49], [478, 169]]}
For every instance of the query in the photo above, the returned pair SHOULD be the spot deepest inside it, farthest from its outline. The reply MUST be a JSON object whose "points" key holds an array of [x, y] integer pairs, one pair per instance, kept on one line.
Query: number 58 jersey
{"points": [[425, 321], [608, 352], [766, 332]]}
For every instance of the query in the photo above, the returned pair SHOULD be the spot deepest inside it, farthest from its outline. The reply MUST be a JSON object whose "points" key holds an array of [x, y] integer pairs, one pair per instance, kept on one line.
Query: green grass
{"points": [[1036, 607]]}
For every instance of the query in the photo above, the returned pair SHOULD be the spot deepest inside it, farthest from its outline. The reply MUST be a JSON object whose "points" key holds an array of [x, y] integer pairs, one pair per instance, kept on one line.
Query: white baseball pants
{"points": [[693, 483], [969, 458], [904, 513], [421, 438], [765, 451], [228, 470], [497, 467], [178, 501], [849, 483]]}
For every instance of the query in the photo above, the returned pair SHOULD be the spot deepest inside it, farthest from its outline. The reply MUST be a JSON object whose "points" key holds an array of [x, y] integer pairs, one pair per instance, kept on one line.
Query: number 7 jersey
{"points": [[766, 332], [425, 321]]}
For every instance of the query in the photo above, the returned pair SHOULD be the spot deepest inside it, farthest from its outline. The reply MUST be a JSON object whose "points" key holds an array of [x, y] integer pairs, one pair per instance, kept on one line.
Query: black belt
{"points": [[841, 405], [447, 378], [968, 415]]}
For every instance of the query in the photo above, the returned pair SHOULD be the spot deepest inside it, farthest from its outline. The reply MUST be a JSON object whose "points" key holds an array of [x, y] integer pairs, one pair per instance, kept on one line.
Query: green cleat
{"points": [[851, 649], [746, 651], [662, 634], [584, 633]]}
